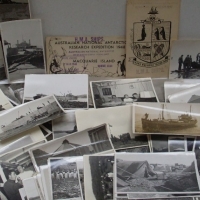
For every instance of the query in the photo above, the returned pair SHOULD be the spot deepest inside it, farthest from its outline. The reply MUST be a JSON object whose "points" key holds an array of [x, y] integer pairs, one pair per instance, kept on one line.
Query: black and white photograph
{"points": [[4, 102], [122, 92], [2, 62], [31, 189], [189, 143], [158, 84], [173, 173], [182, 119], [24, 51], [159, 143], [14, 92], [14, 10], [89, 141], [22, 194], [29, 115], [141, 149], [190, 95], [71, 90], [185, 60], [118, 120], [176, 144], [65, 179], [99, 173], [197, 151], [64, 125]]}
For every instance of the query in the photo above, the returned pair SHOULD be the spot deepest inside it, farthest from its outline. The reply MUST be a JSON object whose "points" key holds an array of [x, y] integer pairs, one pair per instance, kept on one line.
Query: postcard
{"points": [[14, 10], [29, 115], [14, 92], [190, 95], [119, 123], [64, 125], [2, 62], [24, 51], [176, 144], [64, 174], [185, 60], [140, 149], [150, 27], [4, 102], [172, 169], [178, 119], [99, 173], [71, 90], [121, 92], [89, 141], [95, 56]]}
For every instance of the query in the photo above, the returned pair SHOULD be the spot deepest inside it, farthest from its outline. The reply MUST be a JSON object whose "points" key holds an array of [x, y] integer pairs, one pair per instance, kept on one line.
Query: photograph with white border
{"points": [[24, 50], [119, 92], [71, 90]]}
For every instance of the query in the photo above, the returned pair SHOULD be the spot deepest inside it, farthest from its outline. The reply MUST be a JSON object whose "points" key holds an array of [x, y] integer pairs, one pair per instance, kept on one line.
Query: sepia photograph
{"points": [[4, 102], [182, 119], [14, 92], [89, 141], [64, 125], [189, 143], [176, 144], [74, 95], [185, 60], [119, 124], [65, 179], [27, 116], [2, 61], [121, 92], [24, 51], [156, 173], [99, 173], [141, 149]]}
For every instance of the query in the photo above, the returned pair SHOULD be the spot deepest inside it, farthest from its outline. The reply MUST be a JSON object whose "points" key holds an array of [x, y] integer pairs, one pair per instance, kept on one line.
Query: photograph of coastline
{"points": [[24, 51]]}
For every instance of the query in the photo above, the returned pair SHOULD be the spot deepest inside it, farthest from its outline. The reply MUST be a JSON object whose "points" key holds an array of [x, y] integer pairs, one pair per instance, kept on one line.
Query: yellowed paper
{"points": [[151, 25], [95, 56]]}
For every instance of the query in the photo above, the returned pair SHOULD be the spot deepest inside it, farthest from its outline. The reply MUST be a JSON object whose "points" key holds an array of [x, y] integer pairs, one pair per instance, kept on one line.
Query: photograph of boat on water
{"points": [[176, 144], [24, 50], [4, 102], [71, 90], [165, 173], [180, 119], [29, 115], [119, 92], [2, 63]]}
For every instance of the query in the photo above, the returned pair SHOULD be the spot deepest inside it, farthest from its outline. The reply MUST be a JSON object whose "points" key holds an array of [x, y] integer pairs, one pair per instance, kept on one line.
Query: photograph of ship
{"points": [[4, 102], [167, 117], [64, 179], [157, 173], [185, 60], [64, 125], [71, 90], [24, 51], [14, 92], [122, 92], [2, 62], [176, 144], [26, 116], [141, 149], [89, 141], [99, 173]]}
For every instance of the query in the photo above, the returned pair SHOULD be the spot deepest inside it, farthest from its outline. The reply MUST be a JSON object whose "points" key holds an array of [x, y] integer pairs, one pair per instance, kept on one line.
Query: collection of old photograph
{"points": [[99, 117]]}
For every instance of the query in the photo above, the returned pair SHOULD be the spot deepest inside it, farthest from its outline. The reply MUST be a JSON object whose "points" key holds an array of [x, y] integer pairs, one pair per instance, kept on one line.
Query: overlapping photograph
{"points": [[71, 91], [121, 92], [2, 63], [4, 102], [24, 50], [29, 115], [182, 119]]}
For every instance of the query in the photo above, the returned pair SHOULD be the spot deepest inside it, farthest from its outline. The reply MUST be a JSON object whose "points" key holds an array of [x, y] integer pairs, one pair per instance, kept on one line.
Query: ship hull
{"points": [[155, 126]]}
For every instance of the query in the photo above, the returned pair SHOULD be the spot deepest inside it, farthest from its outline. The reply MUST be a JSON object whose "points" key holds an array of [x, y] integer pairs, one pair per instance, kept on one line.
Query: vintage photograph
{"points": [[89, 141], [31, 189], [159, 143], [73, 95], [189, 143], [197, 151], [99, 173], [182, 119], [64, 125], [4, 102], [24, 51], [158, 84], [122, 92], [2, 61], [190, 95], [157, 173], [119, 124], [141, 149], [14, 92], [185, 60], [26, 116], [176, 144], [65, 179]]}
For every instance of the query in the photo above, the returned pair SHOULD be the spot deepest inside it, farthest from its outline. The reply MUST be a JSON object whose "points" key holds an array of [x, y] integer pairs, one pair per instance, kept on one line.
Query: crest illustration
{"points": [[151, 39]]}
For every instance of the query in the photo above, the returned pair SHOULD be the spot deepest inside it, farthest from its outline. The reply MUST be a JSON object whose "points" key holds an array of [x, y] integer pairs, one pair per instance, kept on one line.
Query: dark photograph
{"points": [[159, 143], [142, 149], [190, 142], [2, 62], [176, 144]]}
